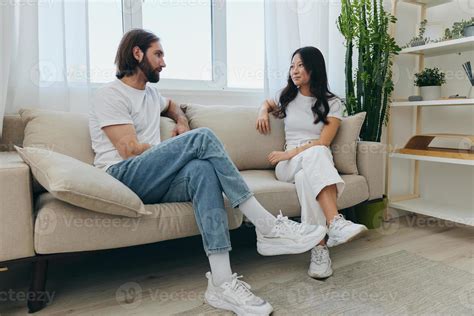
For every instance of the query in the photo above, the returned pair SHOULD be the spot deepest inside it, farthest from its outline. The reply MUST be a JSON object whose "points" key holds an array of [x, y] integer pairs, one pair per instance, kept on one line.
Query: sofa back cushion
{"points": [[344, 144], [67, 133], [62, 132], [235, 127]]}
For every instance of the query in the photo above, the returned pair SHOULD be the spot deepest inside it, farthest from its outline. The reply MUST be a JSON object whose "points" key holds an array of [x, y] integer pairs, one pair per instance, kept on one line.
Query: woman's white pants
{"points": [[311, 171]]}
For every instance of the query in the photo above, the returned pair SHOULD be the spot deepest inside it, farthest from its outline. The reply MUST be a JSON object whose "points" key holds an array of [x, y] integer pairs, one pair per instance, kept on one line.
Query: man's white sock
{"points": [[258, 215], [220, 268]]}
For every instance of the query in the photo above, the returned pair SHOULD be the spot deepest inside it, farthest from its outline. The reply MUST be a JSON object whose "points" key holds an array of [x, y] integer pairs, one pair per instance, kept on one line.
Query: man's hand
{"points": [[181, 127], [277, 156]]}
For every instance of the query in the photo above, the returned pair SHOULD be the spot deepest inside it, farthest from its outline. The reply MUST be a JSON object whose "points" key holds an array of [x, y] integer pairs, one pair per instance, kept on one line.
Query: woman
{"points": [[312, 115]]}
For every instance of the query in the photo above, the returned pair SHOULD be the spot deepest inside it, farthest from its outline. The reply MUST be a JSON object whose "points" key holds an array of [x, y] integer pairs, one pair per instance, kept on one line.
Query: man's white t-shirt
{"points": [[118, 103], [299, 120]]}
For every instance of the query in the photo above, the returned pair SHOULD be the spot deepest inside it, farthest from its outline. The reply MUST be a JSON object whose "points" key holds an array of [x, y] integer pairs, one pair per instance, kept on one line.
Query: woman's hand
{"points": [[277, 156], [263, 122]]}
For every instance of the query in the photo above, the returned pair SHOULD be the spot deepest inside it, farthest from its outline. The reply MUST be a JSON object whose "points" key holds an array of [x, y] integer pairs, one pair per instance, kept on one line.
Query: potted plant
{"points": [[420, 39], [430, 81], [365, 26], [464, 28]]}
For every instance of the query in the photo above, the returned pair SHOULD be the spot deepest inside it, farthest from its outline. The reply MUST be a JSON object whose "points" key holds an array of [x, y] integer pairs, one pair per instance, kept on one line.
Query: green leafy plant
{"points": [[430, 77], [420, 39], [456, 30], [365, 25]]}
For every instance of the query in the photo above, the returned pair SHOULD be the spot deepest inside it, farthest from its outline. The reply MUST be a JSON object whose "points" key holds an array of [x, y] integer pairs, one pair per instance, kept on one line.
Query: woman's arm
{"points": [[263, 120], [328, 133]]}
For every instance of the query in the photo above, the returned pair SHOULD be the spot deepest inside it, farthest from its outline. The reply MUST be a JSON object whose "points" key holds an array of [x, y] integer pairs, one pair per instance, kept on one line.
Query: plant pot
{"points": [[468, 31], [371, 214], [430, 93]]}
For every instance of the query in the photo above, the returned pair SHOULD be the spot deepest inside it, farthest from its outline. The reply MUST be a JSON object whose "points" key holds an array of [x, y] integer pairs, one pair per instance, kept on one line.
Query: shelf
{"points": [[446, 211], [455, 161], [427, 3], [444, 102], [441, 48]]}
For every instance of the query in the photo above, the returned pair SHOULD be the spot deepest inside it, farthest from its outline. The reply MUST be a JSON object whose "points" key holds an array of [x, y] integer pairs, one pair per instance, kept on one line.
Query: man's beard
{"points": [[152, 75]]}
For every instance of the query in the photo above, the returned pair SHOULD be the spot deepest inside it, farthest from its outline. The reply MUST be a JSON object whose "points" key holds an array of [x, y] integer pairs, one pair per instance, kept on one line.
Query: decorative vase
{"points": [[429, 93]]}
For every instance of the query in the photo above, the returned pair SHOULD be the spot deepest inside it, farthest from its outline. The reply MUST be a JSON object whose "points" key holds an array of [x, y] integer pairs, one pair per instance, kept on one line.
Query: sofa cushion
{"points": [[235, 127], [62, 227], [344, 145], [80, 184], [66, 133], [63, 132], [277, 195], [16, 209]]}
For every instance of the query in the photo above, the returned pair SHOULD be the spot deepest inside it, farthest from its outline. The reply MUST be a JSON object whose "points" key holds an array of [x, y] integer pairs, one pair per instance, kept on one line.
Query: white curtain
{"points": [[44, 56], [291, 24]]}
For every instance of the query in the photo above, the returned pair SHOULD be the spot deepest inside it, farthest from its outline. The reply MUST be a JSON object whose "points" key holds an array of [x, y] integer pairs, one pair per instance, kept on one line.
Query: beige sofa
{"points": [[35, 226]]}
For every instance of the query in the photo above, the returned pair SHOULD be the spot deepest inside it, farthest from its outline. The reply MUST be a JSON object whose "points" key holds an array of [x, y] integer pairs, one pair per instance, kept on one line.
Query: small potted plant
{"points": [[468, 29], [430, 81], [420, 39]]}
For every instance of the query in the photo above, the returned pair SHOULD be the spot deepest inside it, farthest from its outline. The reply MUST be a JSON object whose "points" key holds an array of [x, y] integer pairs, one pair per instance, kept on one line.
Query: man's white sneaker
{"points": [[289, 237], [320, 266], [341, 231], [235, 296]]}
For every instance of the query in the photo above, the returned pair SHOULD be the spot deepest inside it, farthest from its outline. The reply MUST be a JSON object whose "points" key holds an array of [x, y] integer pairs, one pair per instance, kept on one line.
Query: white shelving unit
{"points": [[440, 48], [447, 102], [433, 159], [454, 213], [414, 202]]}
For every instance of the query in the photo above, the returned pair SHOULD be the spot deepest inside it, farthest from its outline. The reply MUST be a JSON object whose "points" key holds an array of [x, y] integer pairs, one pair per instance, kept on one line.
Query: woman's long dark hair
{"points": [[313, 62]]}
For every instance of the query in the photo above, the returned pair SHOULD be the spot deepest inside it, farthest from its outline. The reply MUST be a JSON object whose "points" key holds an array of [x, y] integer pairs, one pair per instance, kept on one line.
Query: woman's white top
{"points": [[299, 120]]}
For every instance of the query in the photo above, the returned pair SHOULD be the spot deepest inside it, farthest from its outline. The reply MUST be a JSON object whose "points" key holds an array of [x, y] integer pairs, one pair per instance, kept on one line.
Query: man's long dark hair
{"points": [[313, 62], [126, 63]]}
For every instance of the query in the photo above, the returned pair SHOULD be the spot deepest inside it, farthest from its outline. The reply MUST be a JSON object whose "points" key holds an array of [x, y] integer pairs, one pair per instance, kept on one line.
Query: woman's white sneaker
{"points": [[289, 237], [320, 265], [341, 231], [235, 296]]}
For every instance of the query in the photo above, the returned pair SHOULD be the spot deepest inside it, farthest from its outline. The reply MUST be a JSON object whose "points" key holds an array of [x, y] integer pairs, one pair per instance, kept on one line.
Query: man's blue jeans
{"points": [[193, 166]]}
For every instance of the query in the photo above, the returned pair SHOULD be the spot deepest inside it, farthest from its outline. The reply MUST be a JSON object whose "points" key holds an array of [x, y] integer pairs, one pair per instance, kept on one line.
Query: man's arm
{"points": [[175, 113], [124, 138]]}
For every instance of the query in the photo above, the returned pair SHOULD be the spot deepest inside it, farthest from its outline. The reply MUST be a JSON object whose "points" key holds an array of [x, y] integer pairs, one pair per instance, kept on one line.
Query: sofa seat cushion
{"points": [[276, 195], [62, 227]]}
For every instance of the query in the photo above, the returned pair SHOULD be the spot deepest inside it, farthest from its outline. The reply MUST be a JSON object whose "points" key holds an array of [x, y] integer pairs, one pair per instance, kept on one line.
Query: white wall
{"points": [[438, 182]]}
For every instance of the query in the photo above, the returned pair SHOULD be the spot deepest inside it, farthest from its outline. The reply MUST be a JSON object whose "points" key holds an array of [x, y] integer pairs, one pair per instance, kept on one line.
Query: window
{"points": [[208, 44], [245, 44], [104, 38], [185, 30], [75, 45]]}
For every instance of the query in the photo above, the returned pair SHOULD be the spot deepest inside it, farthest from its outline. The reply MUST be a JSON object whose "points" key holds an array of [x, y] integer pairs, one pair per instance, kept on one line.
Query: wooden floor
{"points": [[168, 277]]}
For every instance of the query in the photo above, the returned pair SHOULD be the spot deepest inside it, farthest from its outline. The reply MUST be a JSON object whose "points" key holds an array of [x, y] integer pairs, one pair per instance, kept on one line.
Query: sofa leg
{"points": [[38, 297]]}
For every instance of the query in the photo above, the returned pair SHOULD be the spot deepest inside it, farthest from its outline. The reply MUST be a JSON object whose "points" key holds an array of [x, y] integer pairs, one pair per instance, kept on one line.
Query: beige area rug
{"points": [[401, 283]]}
